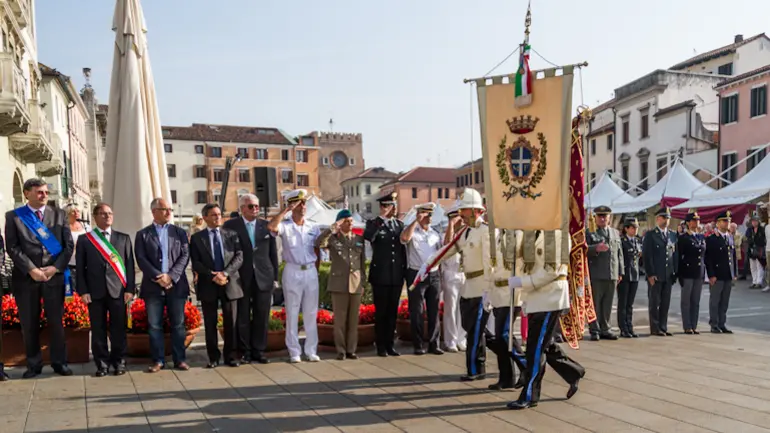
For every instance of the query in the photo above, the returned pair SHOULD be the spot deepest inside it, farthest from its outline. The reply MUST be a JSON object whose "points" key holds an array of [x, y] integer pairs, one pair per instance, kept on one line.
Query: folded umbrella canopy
{"points": [[134, 163]]}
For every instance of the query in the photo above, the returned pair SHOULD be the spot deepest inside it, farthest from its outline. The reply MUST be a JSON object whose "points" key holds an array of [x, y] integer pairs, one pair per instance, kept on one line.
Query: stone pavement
{"points": [[676, 384]]}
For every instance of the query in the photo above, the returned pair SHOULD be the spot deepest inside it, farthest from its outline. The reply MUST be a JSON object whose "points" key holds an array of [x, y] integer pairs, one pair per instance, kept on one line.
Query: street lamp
{"points": [[229, 164]]}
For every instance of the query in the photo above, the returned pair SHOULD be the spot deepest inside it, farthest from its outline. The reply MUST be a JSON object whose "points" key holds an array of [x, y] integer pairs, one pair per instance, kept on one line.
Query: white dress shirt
{"points": [[298, 242], [42, 211], [421, 246]]}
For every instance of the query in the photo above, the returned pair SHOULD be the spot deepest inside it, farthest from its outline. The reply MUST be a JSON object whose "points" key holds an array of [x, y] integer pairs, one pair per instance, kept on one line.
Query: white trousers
{"points": [[300, 291], [757, 272], [454, 333]]}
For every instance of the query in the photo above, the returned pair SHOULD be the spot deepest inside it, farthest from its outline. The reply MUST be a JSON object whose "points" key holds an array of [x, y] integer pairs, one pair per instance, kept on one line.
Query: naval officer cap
{"points": [[602, 210], [296, 195], [725, 216], [388, 199], [453, 210], [692, 216], [631, 222], [427, 207], [664, 212]]}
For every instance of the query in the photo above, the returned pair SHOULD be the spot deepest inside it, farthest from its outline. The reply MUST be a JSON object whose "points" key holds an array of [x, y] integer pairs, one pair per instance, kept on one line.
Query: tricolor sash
{"points": [[44, 235], [109, 253]]}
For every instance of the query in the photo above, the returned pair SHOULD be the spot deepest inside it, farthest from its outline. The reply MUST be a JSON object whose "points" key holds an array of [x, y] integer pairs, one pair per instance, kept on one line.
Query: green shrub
{"points": [[324, 297]]}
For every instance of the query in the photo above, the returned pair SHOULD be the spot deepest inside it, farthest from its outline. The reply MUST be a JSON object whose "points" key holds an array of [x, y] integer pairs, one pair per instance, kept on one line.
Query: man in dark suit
{"points": [[216, 257], [40, 246], [387, 271], [162, 253], [659, 253], [105, 272], [259, 276], [722, 271]]}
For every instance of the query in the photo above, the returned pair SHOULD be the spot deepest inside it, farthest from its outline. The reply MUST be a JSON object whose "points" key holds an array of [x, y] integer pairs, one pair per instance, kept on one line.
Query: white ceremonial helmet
{"points": [[470, 199]]}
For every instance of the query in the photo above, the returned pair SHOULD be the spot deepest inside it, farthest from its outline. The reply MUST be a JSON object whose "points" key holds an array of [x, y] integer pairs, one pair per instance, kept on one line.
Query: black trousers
{"points": [[474, 320], [626, 296], [98, 311], [253, 315], [499, 345], [386, 300], [659, 295], [541, 348], [28, 295], [424, 297], [229, 326]]}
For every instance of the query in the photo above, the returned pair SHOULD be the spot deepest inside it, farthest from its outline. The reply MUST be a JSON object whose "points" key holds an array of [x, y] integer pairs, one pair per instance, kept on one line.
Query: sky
{"points": [[391, 70]]}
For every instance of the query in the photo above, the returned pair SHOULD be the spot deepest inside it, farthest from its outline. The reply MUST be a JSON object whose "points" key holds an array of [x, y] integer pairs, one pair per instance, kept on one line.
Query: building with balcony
{"points": [[363, 190], [26, 147], [744, 128], [68, 171], [195, 156], [341, 156], [421, 185]]}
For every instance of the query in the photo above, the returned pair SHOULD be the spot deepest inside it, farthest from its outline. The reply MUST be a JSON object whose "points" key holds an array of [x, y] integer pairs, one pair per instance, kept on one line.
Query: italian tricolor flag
{"points": [[109, 253], [523, 79]]}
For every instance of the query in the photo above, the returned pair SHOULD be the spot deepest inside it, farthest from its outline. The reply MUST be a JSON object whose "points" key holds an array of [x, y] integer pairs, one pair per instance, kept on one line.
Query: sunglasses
{"points": [[252, 206]]}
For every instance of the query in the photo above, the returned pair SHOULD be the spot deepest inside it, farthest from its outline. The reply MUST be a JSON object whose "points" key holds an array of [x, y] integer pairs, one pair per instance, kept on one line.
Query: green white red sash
{"points": [[109, 253]]}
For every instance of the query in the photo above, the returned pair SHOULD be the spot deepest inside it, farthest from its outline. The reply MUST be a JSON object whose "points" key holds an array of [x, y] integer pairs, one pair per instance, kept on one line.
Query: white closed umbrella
{"points": [[134, 163]]}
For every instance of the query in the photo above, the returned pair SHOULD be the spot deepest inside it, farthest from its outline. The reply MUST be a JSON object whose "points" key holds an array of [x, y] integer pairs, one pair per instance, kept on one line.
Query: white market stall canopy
{"points": [[678, 183], [321, 213], [606, 193], [748, 188]]}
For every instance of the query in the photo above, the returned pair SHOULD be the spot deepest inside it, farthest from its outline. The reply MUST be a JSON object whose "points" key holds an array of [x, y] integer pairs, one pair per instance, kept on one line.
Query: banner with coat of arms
{"points": [[526, 150]]}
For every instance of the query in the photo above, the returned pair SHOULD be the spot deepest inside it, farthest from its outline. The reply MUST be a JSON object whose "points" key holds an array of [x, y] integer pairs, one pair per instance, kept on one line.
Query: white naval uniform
{"points": [[300, 284], [452, 280]]}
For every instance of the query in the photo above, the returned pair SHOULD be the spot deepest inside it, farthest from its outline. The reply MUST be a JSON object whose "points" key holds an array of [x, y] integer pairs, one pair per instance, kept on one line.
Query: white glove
{"points": [[514, 282], [486, 302]]}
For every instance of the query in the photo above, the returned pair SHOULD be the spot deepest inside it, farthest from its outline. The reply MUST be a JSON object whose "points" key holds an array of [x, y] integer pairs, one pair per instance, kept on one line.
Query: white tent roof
{"points": [[606, 193], [751, 186], [321, 213], [677, 183]]}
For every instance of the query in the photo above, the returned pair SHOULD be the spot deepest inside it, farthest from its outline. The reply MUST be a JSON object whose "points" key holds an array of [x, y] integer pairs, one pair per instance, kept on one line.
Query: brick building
{"points": [[420, 185], [470, 175], [196, 154]]}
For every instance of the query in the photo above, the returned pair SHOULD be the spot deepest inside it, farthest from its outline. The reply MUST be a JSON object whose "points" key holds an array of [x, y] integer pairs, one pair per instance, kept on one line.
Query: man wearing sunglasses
{"points": [[259, 275]]}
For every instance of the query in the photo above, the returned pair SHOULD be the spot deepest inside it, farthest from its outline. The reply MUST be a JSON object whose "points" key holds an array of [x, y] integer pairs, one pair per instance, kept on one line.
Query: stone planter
{"points": [[404, 329], [366, 335], [78, 346], [138, 345], [276, 340], [325, 335]]}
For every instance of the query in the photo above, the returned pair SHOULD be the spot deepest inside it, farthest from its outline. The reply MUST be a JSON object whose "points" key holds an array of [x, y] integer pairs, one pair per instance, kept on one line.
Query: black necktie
{"points": [[219, 261]]}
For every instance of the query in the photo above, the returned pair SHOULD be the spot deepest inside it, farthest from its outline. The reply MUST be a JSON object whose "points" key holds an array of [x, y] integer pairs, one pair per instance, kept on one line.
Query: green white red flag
{"points": [[523, 79]]}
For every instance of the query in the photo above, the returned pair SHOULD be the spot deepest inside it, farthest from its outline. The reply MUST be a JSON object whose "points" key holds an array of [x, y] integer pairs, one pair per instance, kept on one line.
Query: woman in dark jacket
{"points": [[691, 247], [755, 238], [632, 251]]}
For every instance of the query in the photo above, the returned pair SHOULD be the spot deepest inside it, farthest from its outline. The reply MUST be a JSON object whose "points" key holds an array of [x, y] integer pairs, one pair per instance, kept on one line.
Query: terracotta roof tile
{"points": [[428, 175], [374, 173], [227, 133], [749, 74], [719, 52]]}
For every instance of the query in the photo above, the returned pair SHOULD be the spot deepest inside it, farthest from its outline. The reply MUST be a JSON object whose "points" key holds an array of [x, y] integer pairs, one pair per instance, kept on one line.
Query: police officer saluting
{"points": [[692, 247], [720, 263], [387, 271], [660, 265], [605, 261], [632, 251]]}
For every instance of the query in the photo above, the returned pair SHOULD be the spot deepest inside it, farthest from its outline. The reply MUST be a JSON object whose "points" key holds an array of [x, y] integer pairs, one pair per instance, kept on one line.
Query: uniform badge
{"points": [[114, 258], [42, 232], [515, 163]]}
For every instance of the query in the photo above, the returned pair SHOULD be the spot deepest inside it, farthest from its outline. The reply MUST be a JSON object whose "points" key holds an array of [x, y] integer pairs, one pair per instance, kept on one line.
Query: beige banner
{"points": [[526, 152]]}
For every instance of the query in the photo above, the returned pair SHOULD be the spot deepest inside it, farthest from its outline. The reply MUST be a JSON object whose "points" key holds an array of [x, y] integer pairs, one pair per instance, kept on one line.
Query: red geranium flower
{"points": [[75, 313], [139, 324], [325, 317], [366, 314]]}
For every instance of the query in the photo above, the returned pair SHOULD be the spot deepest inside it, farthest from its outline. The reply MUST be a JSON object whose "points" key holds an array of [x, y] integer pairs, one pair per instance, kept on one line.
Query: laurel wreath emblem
{"points": [[523, 186]]}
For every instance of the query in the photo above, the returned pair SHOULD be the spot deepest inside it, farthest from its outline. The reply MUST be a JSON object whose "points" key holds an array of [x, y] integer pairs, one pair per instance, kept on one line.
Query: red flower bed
{"points": [[139, 324], [75, 313], [366, 314], [325, 317]]}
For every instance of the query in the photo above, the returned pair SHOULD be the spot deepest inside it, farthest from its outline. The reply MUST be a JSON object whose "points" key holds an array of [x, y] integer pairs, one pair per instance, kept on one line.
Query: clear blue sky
{"points": [[391, 70]]}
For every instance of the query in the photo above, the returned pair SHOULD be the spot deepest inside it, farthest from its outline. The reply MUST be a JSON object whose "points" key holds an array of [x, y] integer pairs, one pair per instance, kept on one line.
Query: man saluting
{"points": [[40, 246], [105, 272]]}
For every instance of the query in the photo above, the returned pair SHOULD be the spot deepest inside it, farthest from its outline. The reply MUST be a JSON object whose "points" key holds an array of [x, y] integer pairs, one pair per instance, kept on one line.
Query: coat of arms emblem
{"points": [[522, 164]]}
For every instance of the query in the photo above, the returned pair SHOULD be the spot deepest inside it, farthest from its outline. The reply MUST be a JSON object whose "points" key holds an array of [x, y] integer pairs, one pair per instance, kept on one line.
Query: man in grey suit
{"points": [[105, 273], [40, 246], [162, 253], [660, 258], [259, 276], [216, 257], [605, 262]]}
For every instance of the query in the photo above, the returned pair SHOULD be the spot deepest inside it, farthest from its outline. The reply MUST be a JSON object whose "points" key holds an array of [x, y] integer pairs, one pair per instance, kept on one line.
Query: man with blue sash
{"points": [[40, 246]]}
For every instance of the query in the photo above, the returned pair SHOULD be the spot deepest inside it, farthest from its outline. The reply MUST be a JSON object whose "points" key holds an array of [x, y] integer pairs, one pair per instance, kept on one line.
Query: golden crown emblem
{"points": [[522, 124]]}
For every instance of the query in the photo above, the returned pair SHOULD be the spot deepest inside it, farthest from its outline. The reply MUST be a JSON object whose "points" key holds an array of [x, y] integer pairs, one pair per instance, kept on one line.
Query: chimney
{"points": [[738, 38]]}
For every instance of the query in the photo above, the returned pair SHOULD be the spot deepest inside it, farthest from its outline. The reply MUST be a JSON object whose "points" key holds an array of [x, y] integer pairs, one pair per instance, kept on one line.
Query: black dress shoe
{"points": [[392, 352], [62, 370], [382, 353], [659, 334], [625, 334], [472, 377], [246, 360], [725, 330], [688, 331], [351, 356], [420, 351], [436, 351], [120, 369], [595, 337], [573, 389], [695, 331], [499, 386], [715, 330], [519, 405], [233, 363], [262, 359], [608, 336], [340, 357], [668, 334], [30, 373], [212, 364], [101, 372], [634, 334]]}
